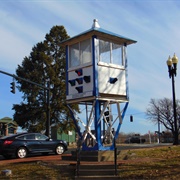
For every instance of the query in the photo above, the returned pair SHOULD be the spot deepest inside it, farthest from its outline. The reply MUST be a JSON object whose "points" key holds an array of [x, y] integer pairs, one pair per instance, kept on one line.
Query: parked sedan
{"points": [[135, 139], [23, 144]]}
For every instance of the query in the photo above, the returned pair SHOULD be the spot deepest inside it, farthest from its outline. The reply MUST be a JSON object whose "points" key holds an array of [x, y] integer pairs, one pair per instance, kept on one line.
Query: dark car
{"points": [[135, 139], [23, 144]]}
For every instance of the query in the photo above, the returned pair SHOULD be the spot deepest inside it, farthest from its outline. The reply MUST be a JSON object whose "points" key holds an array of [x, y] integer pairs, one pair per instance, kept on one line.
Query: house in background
{"points": [[7, 126], [69, 137]]}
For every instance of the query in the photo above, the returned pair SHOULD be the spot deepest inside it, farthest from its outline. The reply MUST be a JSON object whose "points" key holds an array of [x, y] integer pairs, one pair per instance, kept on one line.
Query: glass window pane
{"points": [[104, 51], [85, 51], [22, 137], [30, 137], [74, 55], [116, 54], [40, 137]]}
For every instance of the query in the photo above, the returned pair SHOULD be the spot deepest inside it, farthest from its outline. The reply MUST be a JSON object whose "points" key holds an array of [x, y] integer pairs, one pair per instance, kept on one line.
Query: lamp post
{"points": [[172, 67]]}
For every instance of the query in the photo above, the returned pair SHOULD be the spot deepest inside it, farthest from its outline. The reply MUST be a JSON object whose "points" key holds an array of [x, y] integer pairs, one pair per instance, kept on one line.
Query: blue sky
{"points": [[154, 24]]}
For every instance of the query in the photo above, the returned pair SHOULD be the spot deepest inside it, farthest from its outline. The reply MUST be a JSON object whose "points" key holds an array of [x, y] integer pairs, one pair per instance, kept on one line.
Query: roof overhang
{"points": [[101, 34]]}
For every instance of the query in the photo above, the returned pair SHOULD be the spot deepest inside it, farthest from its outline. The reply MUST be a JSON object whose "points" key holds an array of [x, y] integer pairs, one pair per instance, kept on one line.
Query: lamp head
{"points": [[172, 65], [175, 59], [169, 64], [169, 61]]}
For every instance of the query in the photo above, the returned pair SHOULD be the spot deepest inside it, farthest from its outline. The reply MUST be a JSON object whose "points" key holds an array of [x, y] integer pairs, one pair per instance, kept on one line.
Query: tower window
{"points": [[80, 53], [110, 52]]}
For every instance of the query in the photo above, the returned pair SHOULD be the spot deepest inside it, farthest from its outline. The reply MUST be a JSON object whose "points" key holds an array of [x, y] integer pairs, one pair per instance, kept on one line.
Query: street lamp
{"points": [[172, 67]]}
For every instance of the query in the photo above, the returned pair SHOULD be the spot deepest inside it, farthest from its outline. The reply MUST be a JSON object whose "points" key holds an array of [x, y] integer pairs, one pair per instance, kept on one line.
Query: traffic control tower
{"points": [[96, 76]]}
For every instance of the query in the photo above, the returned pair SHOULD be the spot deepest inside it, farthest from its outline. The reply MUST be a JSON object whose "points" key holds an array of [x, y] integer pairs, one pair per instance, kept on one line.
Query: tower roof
{"points": [[99, 33]]}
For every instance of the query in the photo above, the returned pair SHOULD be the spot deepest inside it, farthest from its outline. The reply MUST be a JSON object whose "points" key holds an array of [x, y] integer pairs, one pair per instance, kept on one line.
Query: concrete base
{"points": [[96, 171], [96, 156]]}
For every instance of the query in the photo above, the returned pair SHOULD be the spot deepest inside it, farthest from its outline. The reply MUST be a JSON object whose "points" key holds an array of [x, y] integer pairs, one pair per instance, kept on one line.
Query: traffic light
{"points": [[79, 80], [13, 90], [106, 113], [112, 80], [87, 79], [72, 82], [79, 72], [79, 89], [131, 118]]}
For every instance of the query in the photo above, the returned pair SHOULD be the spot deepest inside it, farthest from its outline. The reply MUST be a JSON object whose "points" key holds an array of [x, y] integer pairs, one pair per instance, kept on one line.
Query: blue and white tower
{"points": [[96, 76]]}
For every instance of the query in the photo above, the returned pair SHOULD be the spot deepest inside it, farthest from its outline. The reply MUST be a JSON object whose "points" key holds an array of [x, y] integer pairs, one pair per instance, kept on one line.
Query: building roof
{"points": [[100, 33], [8, 120]]}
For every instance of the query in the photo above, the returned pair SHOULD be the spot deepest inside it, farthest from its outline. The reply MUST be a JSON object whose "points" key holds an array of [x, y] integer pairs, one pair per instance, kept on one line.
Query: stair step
{"points": [[96, 177], [90, 156], [96, 170], [96, 173], [96, 166]]}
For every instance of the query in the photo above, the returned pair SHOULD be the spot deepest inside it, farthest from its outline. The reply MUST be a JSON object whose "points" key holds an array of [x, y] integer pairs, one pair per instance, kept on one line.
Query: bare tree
{"points": [[161, 110]]}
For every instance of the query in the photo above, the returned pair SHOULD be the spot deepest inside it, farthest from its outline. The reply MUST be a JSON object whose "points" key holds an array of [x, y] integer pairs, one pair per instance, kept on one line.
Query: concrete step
{"points": [[91, 156], [96, 177], [93, 172], [96, 170], [96, 166]]}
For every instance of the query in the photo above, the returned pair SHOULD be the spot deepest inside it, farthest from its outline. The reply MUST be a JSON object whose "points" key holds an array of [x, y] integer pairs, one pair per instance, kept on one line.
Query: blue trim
{"points": [[126, 73], [123, 114], [85, 148], [98, 126], [95, 69], [67, 77]]}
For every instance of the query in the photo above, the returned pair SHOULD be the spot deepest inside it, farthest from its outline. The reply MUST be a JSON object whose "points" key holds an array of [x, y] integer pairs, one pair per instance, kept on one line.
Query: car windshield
{"points": [[33, 136]]}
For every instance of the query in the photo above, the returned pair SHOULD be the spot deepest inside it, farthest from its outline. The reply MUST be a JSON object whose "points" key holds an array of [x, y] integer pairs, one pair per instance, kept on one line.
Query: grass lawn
{"points": [[161, 163], [157, 163]]}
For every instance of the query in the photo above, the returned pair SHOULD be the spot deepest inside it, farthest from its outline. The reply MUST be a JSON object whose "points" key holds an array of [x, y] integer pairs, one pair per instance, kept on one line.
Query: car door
{"points": [[31, 143], [46, 145]]}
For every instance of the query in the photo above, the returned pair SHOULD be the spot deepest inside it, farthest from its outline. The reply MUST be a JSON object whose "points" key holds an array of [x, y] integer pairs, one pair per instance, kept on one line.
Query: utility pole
{"points": [[48, 97]]}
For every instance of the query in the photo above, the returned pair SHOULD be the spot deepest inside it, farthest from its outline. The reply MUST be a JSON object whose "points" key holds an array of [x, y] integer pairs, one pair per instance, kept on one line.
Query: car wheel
{"points": [[59, 149], [21, 152]]}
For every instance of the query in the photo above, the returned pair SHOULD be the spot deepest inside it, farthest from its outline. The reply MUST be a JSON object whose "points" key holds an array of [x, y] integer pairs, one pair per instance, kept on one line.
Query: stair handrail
{"points": [[78, 154], [115, 157]]}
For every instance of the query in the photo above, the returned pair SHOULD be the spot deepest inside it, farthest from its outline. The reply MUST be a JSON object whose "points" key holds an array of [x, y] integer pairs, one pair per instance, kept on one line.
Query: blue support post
{"points": [[98, 125]]}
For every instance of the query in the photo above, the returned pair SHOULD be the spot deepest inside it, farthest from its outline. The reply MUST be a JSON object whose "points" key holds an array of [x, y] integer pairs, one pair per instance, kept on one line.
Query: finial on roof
{"points": [[95, 24]]}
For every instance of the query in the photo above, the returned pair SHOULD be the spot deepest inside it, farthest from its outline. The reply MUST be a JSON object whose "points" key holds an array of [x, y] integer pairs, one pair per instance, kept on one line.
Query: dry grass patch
{"points": [[156, 163], [37, 170], [160, 163]]}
